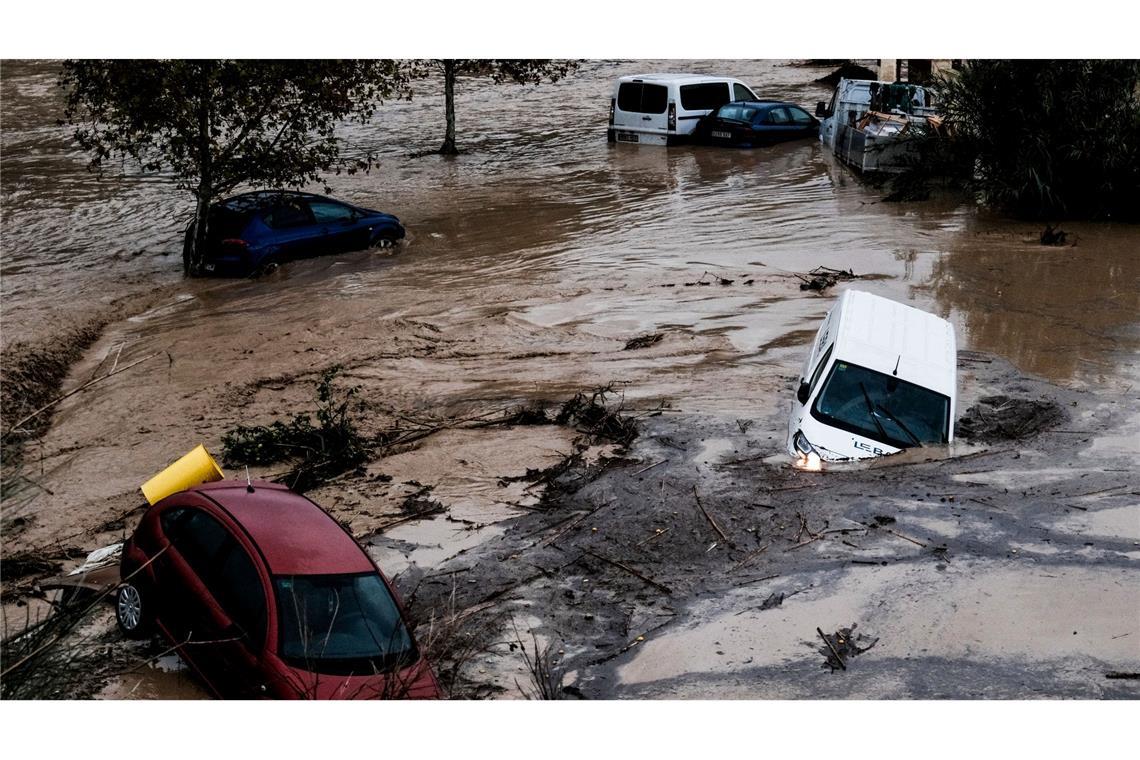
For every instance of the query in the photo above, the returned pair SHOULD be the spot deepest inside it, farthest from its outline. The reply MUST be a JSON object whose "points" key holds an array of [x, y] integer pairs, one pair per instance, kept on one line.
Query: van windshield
{"points": [[341, 624], [882, 407]]}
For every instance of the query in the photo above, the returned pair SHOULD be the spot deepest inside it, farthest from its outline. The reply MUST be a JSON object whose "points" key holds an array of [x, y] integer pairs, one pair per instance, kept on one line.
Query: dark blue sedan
{"points": [[749, 123], [254, 232]]}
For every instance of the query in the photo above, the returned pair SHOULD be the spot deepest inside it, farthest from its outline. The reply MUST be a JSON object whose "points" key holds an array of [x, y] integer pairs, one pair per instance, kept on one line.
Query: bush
{"points": [[1041, 139], [321, 451]]}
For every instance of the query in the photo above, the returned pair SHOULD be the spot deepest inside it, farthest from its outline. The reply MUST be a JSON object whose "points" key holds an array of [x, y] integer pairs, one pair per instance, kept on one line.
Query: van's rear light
{"points": [[236, 241], [613, 105], [672, 117]]}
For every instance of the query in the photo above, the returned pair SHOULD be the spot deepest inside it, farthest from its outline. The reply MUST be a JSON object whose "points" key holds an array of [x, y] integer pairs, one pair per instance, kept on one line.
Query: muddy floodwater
{"points": [[531, 260]]}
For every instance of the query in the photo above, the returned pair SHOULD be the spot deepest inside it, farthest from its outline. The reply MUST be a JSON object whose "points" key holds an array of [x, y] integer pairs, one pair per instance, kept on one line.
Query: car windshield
{"points": [[882, 407], [341, 624]]}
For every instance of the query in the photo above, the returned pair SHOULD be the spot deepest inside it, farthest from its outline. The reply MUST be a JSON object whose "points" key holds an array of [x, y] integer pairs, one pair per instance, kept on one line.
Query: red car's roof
{"points": [[295, 536]]}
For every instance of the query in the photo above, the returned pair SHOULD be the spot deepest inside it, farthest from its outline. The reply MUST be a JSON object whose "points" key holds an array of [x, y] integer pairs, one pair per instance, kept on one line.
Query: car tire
{"points": [[266, 268], [382, 242], [132, 611]]}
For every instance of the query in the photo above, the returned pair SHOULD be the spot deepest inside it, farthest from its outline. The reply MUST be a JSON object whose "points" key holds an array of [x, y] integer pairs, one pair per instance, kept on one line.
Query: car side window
{"points": [[819, 368], [799, 116], [325, 212], [236, 585], [705, 96], [287, 215], [778, 116], [740, 92], [199, 539], [223, 566]]}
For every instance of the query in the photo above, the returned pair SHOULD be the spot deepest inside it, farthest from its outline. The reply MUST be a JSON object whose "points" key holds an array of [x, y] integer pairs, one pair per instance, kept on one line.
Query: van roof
{"points": [[679, 78], [876, 333]]}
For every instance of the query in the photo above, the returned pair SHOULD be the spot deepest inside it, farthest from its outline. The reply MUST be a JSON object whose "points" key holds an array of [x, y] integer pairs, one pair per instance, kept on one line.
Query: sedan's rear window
{"points": [[704, 97], [639, 97], [342, 624], [224, 223]]}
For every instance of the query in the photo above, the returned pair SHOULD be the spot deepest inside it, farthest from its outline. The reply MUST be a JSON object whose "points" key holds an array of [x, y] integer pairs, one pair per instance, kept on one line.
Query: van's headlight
{"points": [[808, 459], [800, 442]]}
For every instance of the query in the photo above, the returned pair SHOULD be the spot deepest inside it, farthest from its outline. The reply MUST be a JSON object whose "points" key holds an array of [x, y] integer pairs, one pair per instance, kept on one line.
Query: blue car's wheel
{"points": [[382, 240]]}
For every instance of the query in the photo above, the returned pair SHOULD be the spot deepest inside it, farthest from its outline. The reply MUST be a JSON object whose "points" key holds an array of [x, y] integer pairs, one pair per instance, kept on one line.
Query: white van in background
{"points": [[881, 376], [663, 109]]}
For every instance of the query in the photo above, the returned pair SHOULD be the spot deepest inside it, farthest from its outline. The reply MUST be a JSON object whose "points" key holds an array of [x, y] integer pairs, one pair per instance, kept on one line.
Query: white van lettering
{"points": [[866, 447]]}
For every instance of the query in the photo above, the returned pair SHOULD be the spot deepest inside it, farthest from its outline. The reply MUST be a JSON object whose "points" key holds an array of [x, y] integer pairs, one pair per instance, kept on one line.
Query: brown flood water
{"points": [[530, 261]]}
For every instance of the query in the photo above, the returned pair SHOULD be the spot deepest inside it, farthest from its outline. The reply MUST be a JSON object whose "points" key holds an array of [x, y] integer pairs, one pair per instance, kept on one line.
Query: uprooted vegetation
{"points": [[63, 651], [318, 452], [335, 444], [1002, 418]]}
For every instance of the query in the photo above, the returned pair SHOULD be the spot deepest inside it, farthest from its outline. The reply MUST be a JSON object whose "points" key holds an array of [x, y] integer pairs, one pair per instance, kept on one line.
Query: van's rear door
{"points": [[641, 107]]}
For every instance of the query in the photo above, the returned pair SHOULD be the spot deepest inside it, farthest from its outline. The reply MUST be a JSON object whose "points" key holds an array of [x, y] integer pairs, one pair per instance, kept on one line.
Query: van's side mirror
{"points": [[802, 393], [821, 109]]}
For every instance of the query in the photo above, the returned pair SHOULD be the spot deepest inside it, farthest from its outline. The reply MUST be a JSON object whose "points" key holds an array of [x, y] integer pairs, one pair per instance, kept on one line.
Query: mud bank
{"points": [[702, 566]]}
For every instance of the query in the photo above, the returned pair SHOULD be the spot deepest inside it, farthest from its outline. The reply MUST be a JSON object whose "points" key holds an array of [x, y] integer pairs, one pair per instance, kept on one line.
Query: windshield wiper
{"points": [[900, 424], [871, 412]]}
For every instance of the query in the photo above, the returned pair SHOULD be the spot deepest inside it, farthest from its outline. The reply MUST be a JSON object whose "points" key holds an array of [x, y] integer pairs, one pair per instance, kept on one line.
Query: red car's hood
{"points": [[414, 682]]}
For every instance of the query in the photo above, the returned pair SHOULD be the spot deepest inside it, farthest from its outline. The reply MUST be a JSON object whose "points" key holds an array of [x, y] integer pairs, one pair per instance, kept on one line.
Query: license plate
{"points": [[627, 137], [721, 134]]}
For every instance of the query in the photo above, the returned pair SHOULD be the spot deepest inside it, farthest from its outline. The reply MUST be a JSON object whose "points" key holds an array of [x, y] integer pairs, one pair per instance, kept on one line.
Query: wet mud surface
{"points": [[982, 573], [544, 263]]}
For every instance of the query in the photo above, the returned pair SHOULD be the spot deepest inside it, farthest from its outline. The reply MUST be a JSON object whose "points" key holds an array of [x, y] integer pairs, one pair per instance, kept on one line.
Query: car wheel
{"points": [[381, 242], [269, 267], [132, 612]]}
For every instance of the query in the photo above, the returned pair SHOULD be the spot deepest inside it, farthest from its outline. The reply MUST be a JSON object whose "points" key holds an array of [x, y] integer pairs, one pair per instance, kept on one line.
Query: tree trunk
{"points": [[196, 240], [192, 259], [448, 148]]}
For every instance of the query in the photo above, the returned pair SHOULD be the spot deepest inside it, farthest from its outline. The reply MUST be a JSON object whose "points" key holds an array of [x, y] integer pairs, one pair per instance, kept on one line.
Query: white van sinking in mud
{"points": [[880, 377], [663, 109]]}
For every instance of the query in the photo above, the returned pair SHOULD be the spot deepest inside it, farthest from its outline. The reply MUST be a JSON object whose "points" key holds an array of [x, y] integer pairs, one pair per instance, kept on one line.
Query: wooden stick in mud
{"points": [[652, 538], [559, 534], [69, 394], [832, 648], [630, 570], [905, 538], [748, 559], [708, 517]]}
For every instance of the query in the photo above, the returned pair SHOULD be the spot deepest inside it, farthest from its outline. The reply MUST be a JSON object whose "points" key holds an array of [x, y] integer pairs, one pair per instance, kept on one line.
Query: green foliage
{"points": [[212, 125], [332, 446], [1043, 139]]}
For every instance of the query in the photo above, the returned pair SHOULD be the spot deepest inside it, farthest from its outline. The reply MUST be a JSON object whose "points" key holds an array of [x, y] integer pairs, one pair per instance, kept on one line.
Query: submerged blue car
{"points": [[254, 232], [750, 123]]}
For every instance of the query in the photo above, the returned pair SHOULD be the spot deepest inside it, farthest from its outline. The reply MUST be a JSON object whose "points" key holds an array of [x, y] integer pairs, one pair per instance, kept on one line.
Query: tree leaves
{"points": [[217, 124]]}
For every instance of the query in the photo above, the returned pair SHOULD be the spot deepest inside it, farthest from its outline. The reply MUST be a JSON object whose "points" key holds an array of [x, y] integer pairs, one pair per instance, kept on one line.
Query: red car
{"points": [[265, 595]]}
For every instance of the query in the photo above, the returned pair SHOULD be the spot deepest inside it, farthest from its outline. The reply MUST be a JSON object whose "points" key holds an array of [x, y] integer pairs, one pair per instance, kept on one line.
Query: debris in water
{"points": [[592, 415], [843, 645], [643, 341], [775, 600], [822, 278], [1052, 236]]}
